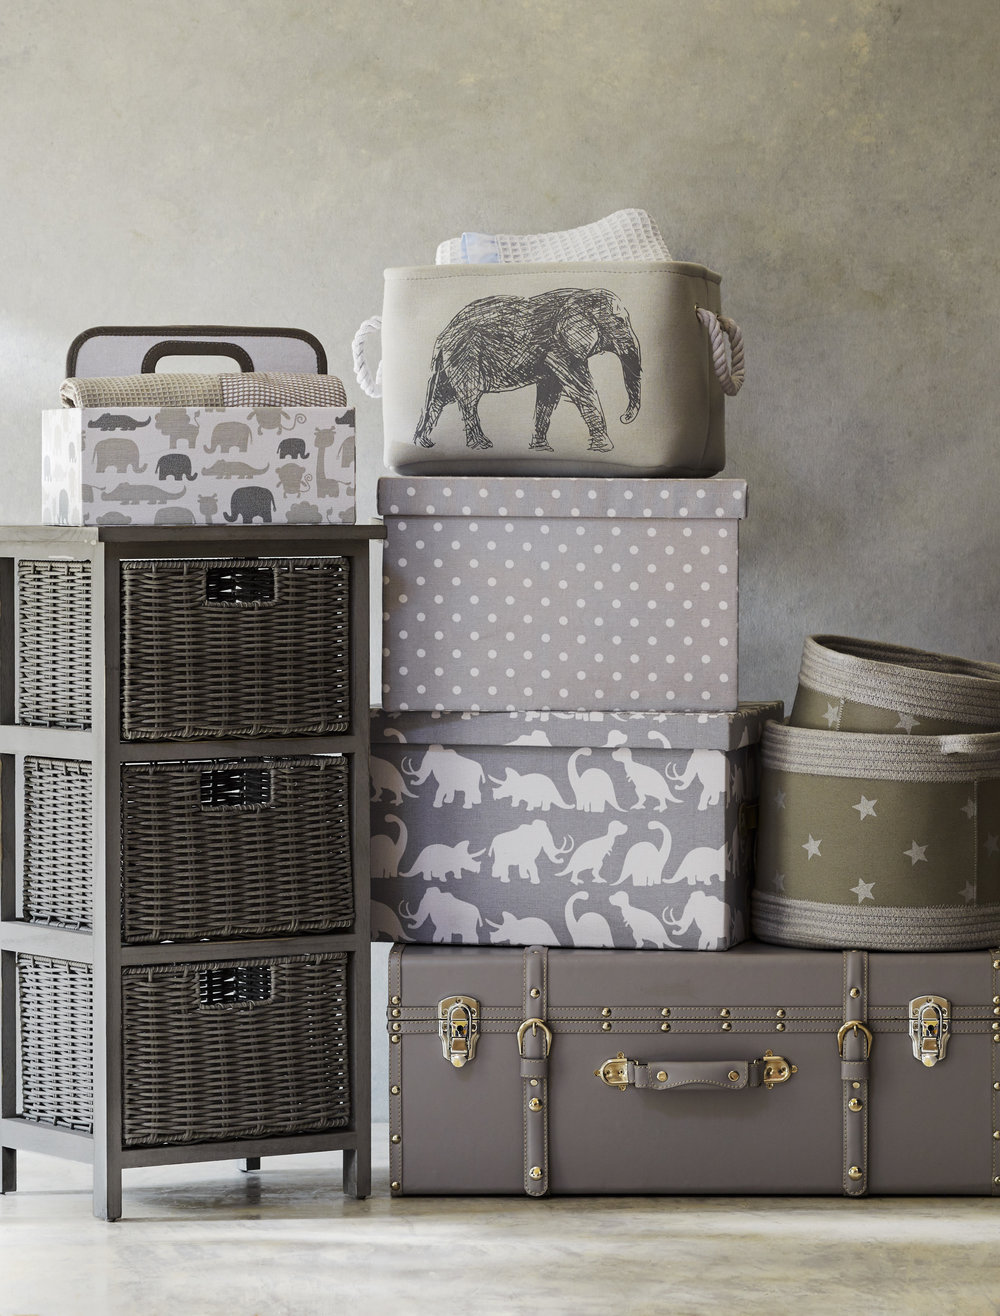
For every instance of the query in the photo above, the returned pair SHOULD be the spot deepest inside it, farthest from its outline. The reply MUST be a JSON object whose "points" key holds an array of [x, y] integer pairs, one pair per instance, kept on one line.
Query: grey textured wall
{"points": [[261, 162]]}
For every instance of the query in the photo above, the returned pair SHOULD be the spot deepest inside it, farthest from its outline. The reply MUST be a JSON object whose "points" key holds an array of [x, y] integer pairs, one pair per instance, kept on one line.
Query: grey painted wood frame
{"points": [[102, 746]]}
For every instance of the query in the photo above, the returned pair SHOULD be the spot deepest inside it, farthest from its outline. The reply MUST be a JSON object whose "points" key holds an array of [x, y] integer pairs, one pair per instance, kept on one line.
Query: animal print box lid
{"points": [[723, 731], [564, 497]]}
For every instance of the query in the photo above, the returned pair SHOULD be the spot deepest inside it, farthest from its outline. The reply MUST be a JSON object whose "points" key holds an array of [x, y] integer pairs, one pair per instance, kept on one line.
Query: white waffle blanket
{"points": [[626, 235]]}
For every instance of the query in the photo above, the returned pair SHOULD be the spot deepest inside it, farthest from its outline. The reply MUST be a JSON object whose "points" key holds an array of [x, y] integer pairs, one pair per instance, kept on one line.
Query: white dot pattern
{"points": [[670, 585]]}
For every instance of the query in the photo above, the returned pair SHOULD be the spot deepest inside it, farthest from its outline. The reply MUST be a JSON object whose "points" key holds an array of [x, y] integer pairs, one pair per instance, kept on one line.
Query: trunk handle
{"points": [[669, 1075]]}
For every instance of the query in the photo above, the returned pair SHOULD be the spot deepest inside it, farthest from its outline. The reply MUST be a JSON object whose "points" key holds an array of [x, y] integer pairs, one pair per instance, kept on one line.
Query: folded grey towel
{"points": [[251, 389]]}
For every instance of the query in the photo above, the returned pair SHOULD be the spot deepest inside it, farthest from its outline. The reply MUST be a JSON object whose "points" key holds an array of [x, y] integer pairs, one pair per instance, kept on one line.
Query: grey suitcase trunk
{"points": [[765, 1070]]}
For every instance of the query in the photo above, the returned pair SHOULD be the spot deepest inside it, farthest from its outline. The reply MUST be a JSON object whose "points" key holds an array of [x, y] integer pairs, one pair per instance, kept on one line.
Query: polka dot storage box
{"points": [[572, 594], [629, 830]]}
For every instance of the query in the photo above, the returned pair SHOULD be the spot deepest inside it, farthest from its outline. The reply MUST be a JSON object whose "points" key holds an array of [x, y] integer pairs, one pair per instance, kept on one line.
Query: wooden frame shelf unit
{"points": [[105, 548]]}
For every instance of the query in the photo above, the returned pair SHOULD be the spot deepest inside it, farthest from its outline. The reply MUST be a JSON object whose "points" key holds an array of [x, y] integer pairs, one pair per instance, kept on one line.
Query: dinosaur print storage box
{"points": [[572, 594], [629, 830], [192, 465]]}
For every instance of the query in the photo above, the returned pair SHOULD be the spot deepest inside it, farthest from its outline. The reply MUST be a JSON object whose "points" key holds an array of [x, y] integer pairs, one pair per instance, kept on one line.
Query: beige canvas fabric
{"points": [[596, 368]]}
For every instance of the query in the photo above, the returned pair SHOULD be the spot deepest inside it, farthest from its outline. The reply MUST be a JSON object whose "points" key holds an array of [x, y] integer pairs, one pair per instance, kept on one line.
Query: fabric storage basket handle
{"points": [[113, 350], [730, 369]]}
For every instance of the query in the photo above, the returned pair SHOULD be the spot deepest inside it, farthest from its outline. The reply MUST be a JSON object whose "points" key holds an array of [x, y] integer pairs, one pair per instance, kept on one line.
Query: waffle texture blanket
{"points": [[624, 235], [250, 389]]}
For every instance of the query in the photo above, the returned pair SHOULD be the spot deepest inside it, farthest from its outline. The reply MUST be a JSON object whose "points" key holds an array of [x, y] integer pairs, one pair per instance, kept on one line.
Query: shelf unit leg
{"points": [[8, 1170], [249, 1163], [358, 1172], [107, 1191]]}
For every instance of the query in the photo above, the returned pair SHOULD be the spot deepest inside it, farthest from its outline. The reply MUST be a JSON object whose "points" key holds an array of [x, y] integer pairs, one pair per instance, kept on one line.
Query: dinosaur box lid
{"points": [[724, 731]]}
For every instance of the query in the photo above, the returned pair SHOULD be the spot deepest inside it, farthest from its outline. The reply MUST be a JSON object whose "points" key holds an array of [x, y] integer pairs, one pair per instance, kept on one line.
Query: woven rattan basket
{"points": [[58, 825], [53, 644], [235, 848], [224, 1050], [234, 647]]}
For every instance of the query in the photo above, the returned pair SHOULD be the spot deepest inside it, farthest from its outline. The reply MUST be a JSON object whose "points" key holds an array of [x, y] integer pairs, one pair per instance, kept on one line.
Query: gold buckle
{"points": [[614, 1072], [534, 1025], [856, 1026]]}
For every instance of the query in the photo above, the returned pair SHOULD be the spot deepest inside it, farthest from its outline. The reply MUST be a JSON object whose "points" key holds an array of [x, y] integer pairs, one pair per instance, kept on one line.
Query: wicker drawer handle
{"points": [[234, 986], [236, 790], [241, 587]]}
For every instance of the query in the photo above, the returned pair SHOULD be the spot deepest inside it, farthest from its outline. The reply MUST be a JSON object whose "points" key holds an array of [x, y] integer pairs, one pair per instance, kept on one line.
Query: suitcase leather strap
{"points": [[534, 1040], [854, 1042]]}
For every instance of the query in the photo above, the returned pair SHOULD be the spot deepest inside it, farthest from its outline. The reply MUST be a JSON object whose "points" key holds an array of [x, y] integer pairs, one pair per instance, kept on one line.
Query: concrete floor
{"points": [[206, 1240]]}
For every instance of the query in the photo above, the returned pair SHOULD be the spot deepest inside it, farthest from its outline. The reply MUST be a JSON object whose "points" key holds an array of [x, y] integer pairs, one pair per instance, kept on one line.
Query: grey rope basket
{"points": [[234, 647]]}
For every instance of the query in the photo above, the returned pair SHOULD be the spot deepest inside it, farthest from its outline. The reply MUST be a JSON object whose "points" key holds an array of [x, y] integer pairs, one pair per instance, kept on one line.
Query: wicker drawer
{"points": [[234, 647], [241, 847], [53, 644], [58, 829], [225, 1050]]}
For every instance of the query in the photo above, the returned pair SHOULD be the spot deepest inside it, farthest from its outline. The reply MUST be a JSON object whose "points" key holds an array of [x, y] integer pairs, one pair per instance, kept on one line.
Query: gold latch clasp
{"points": [[614, 1072], [458, 1028], [777, 1070], [930, 1028]]}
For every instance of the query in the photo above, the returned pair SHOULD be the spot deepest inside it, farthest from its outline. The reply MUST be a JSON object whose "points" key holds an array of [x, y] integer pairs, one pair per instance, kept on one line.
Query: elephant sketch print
{"points": [[503, 343]]}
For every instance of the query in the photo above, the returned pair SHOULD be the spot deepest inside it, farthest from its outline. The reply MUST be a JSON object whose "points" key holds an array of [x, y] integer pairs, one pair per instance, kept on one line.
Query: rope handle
{"points": [[372, 385], [733, 372]]}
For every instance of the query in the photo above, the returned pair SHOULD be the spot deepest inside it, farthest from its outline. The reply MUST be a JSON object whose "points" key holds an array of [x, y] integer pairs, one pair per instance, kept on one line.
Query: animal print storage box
{"points": [[154, 455], [573, 594], [626, 830]]}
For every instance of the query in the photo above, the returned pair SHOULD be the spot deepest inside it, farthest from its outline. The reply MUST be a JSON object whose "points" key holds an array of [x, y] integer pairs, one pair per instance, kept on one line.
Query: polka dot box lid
{"points": [[551, 498], [724, 731]]}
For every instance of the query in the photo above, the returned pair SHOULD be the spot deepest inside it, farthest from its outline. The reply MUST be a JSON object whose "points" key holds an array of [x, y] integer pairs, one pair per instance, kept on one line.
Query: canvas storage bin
{"points": [[886, 842], [580, 594], [564, 829], [234, 1048], [172, 464], [593, 368]]}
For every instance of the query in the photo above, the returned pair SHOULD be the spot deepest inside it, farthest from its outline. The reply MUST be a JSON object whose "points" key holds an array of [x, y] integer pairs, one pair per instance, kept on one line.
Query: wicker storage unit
{"points": [[235, 848], [57, 1041], [58, 823], [234, 647], [53, 644], [226, 1049]]}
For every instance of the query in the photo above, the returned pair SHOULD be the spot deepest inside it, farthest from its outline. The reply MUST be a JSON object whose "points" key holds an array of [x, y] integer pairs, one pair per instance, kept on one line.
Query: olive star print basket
{"points": [[878, 836]]}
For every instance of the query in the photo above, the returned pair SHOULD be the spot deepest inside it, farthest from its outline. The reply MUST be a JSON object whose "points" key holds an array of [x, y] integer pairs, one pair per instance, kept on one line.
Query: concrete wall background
{"points": [[261, 162]]}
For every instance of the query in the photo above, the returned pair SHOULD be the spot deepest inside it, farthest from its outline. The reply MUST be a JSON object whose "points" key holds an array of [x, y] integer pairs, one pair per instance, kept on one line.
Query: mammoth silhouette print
{"points": [[498, 344]]}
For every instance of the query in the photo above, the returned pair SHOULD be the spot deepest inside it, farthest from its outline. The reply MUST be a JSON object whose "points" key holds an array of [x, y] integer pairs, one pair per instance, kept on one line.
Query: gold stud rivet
{"points": [[534, 993], [996, 964], [661, 1076], [996, 1037], [665, 1012], [733, 1076], [996, 1087], [393, 1000], [394, 1038], [996, 1134], [995, 1026], [997, 1179], [664, 1028], [395, 1139], [396, 1027], [855, 1172], [854, 1104], [534, 1104], [396, 1014], [534, 1083], [606, 1011], [780, 1014], [395, 1089], [395, 1185], [723, 1014], [780, 1027], [535, 1172], [996, 1000], [855, 993], [606, 1026], [855, 1085], [996, 1009], [727, 1027]]}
